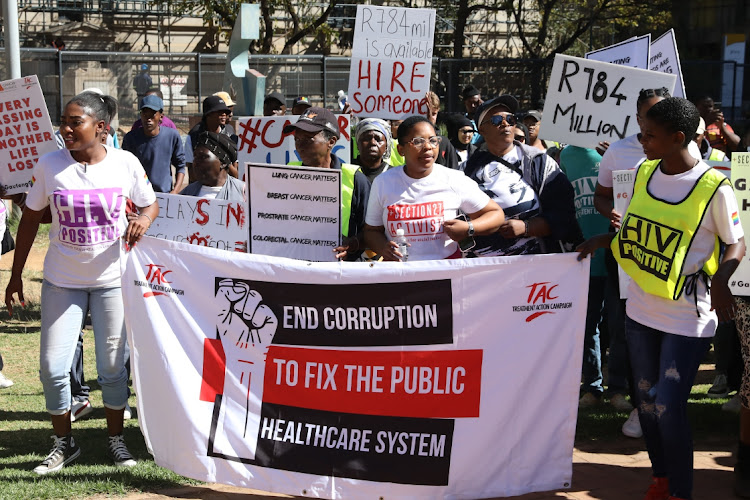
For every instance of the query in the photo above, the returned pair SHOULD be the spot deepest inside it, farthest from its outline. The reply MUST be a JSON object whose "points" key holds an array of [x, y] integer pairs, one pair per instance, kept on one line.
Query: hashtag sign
{"points": [[247, 127]]}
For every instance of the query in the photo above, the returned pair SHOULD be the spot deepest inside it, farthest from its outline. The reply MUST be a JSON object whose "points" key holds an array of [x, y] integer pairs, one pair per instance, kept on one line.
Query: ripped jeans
{"points": [[664, 366], [62, 317]]}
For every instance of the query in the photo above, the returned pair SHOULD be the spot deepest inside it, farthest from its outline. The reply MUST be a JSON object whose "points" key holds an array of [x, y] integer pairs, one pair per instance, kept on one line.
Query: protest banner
{"points": [[201, 221], [740, 282], [591, 101], [358, 380], [294, 211], [25, 132], [633, 53], [622, 189], [262, 140], [666, 59], [391, 61]]}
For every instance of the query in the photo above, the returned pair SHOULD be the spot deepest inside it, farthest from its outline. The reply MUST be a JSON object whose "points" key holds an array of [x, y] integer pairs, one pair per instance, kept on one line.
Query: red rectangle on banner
{"points": [[424, 384], [214, 367]]}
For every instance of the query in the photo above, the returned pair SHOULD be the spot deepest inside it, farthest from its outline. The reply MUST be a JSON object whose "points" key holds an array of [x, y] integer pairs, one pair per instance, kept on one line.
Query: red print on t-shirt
{"points": [[418, 219]]}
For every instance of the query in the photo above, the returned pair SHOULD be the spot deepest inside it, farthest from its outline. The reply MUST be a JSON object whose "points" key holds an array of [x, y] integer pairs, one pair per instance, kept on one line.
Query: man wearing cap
{"points": [[274, 104], [165, 121], [537, 198], [532, 120], [216, 113], [157, 147], [315, 134], [300, 105]]}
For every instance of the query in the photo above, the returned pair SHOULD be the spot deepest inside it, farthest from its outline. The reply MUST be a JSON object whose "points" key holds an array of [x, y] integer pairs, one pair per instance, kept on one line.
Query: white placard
{"points": [[590, 101], [633, 53], [622, 189], [739, 284], [666, 59], [26, 132], [172, 89], [294, 211], [391, 61], [201, 221], [262, 140]]}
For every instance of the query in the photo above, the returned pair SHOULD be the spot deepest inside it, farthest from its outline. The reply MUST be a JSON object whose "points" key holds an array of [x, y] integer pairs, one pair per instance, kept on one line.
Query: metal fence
{"points": [[185, 79]]}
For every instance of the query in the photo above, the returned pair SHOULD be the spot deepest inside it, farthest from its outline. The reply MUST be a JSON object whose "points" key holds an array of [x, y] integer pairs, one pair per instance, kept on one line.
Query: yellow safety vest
{"points": [[656, 235], [347, 192], [717, 155]]}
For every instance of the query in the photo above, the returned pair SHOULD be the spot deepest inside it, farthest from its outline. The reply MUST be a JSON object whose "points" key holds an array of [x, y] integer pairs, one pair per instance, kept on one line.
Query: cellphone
{"points": [[467, 243], [717, 104]]}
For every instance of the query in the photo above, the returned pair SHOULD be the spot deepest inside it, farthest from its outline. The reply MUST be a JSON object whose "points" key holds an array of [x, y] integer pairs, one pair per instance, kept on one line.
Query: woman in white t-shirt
{"points": [[423, 199], [680, 206], [87, 186]]}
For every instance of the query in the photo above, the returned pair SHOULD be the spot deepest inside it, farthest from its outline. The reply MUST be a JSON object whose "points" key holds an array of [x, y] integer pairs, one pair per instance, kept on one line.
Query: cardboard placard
{"points": [[391, 61], [201, 221], [633, 53], [739, 284], [590, 101], [294, 212], [262, 140], [26, 132], [665, 59]]}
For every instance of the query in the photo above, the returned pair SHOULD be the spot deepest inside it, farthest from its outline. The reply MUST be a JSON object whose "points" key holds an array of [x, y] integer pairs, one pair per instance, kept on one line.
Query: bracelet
{"points": [[526, 229], [150, 220]]}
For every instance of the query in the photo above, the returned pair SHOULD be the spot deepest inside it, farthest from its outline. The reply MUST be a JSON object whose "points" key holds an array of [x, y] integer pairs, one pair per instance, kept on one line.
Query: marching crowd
{"points": [[466, 185]]}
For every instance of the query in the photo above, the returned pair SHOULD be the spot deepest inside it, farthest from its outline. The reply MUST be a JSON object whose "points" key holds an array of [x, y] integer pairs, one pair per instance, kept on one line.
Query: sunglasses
{"points": [[498, 119]]}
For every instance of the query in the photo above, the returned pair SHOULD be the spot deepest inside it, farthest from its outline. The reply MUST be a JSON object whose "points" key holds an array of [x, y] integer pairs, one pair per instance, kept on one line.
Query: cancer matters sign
{"points": [[357, 380]]}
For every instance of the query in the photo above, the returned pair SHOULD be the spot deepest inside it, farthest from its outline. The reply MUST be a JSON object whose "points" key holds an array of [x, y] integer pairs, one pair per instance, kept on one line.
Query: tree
{"points": [[306, 18]]}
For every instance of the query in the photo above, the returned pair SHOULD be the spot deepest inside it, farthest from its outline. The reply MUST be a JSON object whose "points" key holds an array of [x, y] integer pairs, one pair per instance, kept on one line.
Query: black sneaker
{"points": [[63, 452], [119, 452]]}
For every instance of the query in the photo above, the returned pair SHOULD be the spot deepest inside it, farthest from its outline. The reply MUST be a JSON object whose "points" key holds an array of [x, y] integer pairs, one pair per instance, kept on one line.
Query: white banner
{"points": [[358, 380], [391, 61], [200, 221], [622, 189], [740, 282], [666, 59], [25, 132], [633, 53], [590, 101], [262, 140], [295, 212]]}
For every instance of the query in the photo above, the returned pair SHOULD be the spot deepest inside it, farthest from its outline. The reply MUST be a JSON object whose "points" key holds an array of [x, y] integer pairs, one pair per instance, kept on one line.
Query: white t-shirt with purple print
{"points": [[88, 214]]}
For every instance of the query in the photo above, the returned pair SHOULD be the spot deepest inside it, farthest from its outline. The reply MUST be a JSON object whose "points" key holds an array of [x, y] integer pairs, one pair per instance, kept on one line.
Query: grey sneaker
{"points": [[119, 452], [63, 452]]}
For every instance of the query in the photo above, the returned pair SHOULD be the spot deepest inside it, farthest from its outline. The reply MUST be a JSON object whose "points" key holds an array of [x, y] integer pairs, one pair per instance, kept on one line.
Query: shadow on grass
{"points": [[15, 416]]}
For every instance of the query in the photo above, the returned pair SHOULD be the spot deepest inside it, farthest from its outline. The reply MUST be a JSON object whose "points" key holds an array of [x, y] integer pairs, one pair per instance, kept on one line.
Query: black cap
{"points": [[214, 103], [277, 96], [535, 114], [301, 100], [315, 120], [506, 100]]}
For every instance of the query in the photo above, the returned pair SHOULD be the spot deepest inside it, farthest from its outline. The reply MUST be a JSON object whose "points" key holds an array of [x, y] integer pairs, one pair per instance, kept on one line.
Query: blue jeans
{"points": [[592, 354], [62, 316], [664, 367]]}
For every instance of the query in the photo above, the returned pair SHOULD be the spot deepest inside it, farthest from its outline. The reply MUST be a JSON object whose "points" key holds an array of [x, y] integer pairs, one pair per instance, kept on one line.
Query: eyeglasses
{"points": [[467, 131], [421, 142], [498, 119]]}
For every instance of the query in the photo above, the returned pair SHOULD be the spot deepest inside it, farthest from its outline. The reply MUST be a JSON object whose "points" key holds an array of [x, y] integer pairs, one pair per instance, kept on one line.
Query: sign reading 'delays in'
{"points": [[25, 132], [391, 61], [262, 140], [201, 221], [294, 211], [591, 101]]}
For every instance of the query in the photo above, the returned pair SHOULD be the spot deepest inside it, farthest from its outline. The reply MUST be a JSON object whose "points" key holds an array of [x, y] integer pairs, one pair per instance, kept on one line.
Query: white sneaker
{"points": [[127, 414], [5, 382], [632, 426], [733, 405], [79, 409], [619, 403]]}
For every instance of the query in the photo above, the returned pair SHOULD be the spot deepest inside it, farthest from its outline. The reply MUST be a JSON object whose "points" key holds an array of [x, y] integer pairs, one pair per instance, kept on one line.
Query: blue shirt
{"points": [[157, 155]]}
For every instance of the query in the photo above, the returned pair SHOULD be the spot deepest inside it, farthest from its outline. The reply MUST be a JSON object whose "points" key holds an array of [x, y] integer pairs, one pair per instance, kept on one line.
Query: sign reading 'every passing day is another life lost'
{"points": [[589, 101], [633, 53], [294, 211], [391, 61]]}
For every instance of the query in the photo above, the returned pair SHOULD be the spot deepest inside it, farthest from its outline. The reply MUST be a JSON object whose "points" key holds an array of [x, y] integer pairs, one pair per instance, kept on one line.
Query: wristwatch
{"points": [[470, 233]]}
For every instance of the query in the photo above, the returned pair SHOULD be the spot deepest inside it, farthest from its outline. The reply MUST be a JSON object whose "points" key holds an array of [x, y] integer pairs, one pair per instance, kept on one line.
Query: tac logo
{"points": [[157, 282], [542, 299]]}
